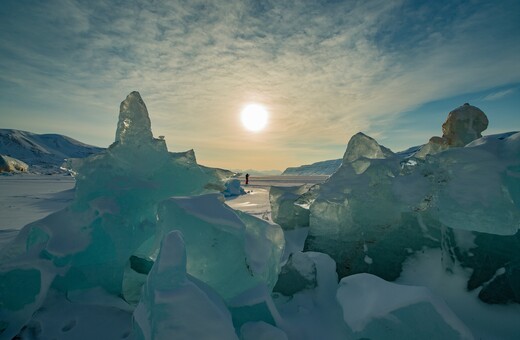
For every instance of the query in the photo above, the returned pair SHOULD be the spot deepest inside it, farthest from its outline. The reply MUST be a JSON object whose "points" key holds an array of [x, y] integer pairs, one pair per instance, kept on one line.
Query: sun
{"points": [[254, 117]]}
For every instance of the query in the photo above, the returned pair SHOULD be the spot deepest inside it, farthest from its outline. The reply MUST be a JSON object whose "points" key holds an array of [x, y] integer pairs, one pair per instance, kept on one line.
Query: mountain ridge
{"points": [[42, 151]]}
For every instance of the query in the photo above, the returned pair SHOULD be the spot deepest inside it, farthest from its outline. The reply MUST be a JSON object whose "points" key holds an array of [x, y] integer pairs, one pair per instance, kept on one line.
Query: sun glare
{"points": [[254, 117]]}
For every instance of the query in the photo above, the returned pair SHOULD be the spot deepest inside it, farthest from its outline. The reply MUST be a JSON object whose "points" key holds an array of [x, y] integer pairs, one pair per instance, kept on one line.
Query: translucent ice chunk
{"points": [[363, 146], [482, 191], [367, 210], [297, 274], [284, 211], [134, 124], [373, 213], [174, 305], [228, 250]]}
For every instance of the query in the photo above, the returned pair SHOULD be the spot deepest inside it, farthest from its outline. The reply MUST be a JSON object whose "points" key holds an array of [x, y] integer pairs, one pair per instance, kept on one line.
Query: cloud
{"points": [[499, 94], [324, 69]]}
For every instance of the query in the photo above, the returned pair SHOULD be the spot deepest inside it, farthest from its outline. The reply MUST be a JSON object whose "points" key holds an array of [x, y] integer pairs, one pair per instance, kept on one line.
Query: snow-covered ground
{"points": [[256, 202], [26, 198]]}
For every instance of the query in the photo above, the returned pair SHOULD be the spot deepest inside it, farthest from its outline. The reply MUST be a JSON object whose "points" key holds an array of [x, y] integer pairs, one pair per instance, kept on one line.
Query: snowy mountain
{"points": [[46, 151], [318, 168], [258, 173], [330, 166]]}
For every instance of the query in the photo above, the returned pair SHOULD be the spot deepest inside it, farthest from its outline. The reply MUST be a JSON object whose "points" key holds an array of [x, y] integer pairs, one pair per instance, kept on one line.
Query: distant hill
{"points": [[330, 166], [318, 168], [258, 173], [45, 152]]}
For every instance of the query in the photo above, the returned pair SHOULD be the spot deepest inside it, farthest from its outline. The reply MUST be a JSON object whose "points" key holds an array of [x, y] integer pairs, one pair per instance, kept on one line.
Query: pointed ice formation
{"points": [[174, 305], [229, 250], [363, 146], [134, 124]]}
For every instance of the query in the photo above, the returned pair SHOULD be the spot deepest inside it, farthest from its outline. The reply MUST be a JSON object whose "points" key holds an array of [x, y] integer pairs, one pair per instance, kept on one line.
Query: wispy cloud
{"points": [[324, 69], [499, 94]]}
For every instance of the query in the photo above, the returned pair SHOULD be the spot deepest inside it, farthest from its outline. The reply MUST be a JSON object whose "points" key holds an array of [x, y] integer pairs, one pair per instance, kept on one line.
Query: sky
{"points": [[324, 70]]}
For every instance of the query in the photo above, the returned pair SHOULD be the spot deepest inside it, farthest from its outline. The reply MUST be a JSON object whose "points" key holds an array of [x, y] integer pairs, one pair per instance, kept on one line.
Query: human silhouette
{"points": [[247, 179]]}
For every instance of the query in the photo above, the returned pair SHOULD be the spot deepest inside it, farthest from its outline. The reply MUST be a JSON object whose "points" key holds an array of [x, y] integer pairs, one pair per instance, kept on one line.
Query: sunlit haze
{"points": [[324, 70], [254, 117]]}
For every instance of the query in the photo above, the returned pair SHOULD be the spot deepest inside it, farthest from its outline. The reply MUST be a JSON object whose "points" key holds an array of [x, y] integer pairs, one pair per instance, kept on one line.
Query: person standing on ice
{"points": [[247, 179]]}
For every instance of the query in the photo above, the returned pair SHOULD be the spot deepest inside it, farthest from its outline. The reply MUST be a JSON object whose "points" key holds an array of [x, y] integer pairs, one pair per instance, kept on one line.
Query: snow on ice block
{"points": [[494, 261], [314, 313], [177, 306], [376, 309], [81, 315], [229, 250], [284, 211]]}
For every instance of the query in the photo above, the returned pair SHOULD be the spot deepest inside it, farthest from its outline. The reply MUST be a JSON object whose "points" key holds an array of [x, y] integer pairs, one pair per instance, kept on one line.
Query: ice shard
{"points": [[228, 250], [176, 306], [297, 274], [284, 209]]}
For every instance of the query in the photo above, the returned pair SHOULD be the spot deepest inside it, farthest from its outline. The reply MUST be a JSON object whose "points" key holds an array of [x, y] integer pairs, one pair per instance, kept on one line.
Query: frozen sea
{"points": [[25, 198]]}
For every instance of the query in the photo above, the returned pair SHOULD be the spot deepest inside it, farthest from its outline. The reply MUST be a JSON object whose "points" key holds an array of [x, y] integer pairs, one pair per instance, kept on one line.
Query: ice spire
{"points": [[134, 123]]}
